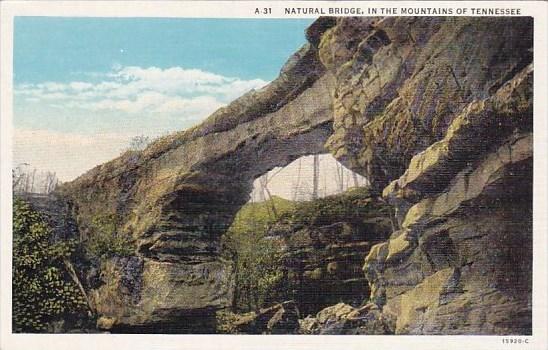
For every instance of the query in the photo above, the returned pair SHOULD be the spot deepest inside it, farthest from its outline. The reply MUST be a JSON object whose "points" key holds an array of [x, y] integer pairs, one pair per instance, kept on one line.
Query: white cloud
{"points": [[129, 100], [80, 85], [135, 90], [192, 106], [54, 86]]}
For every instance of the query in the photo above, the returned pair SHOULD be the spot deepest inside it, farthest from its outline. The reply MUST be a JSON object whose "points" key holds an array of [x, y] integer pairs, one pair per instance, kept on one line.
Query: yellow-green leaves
{"points": [[41, 289], [258, 267], [105, 241]]}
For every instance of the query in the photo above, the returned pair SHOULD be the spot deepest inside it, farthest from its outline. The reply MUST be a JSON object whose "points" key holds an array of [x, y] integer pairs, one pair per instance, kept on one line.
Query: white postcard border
{"points": [[245, 9]]}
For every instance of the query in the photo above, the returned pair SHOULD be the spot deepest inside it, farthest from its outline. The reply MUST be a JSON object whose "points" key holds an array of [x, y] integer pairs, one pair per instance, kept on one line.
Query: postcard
{"points": [[273, 175]]}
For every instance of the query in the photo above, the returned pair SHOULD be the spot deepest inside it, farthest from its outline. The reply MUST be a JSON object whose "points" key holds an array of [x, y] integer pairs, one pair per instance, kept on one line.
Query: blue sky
{"points": [[84, 86], [61, 49]]}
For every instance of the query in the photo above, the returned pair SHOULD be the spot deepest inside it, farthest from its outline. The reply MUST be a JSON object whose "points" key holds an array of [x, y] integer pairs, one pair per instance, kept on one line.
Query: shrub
{"points": [[42, 289], [257, 259], [351, 206], [104, 241]]}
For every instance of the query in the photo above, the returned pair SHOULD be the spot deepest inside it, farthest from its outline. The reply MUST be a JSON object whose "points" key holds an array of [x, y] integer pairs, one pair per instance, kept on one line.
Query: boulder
{"points": [[285, 320], [345, 319], [281, 318]]}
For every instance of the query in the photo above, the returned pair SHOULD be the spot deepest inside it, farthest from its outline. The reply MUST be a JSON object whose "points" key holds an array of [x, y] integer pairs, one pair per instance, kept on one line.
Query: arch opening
{"points": [[307, 178], [303, 235]]}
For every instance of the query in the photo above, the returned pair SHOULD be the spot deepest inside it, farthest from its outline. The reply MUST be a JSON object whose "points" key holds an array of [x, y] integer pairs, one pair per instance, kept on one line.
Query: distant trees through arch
{"points": [[306, 178]]}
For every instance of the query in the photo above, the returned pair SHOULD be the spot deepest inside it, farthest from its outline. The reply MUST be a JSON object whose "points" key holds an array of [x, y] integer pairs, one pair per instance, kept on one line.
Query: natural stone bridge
{"points": [[177, 197], [372, 91]]}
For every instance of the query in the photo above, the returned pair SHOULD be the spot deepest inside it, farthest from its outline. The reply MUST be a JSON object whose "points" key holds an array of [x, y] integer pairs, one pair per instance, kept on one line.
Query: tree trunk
{"points": [[316, 176], [272, 205], [298, 184], [236, 295], [76, 280], [264, 187], [355, 177], [32, 181]]}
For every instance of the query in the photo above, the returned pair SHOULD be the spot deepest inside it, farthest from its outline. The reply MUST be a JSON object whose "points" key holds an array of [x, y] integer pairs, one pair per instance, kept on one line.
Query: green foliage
{"points": [[257, 259], [350, 206], [42, 290], [104, 241], [258, 217]]}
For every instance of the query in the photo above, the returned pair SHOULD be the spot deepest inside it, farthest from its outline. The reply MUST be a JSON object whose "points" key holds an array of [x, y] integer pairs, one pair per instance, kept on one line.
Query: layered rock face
{"points": [[402, 80], [436, 112], [462, 260], [325, 242], [443, 109]]}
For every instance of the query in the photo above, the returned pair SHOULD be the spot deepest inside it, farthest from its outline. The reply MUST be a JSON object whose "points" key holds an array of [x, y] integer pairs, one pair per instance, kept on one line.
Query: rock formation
{"points": [[402, 80], [325, 242], [177, 197], [435, 111], [443, 109], [345, 319], [281, 318]]}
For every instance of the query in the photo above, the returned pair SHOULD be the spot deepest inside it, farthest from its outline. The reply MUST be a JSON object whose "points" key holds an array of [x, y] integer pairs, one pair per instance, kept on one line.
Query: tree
{"points": [[32, 178], [28, 180], [50, 182], [264, 186], [42, 288], [138, 143], [18, 177], [316, 176], [23, 178], [257, 258], [296, 188], [104, 239], [355, 178]]}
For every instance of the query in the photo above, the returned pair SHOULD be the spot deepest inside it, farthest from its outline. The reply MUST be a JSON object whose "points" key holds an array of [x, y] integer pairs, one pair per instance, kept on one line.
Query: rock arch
{"points": [[177, 197], [412, 99]]}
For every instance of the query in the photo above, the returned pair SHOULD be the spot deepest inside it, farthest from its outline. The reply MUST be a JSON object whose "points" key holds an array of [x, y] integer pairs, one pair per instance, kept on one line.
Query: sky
{"points": [[84, 86], [295, 181]]}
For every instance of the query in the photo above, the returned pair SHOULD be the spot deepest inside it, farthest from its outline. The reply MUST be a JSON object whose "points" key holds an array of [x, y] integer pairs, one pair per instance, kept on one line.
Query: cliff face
{"points": [[435, 112], [402, 81], [438, 113], [325, 242], [461, 262]]}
